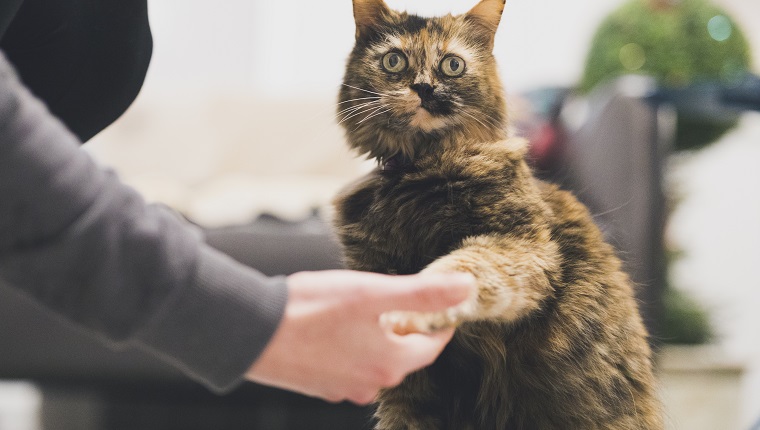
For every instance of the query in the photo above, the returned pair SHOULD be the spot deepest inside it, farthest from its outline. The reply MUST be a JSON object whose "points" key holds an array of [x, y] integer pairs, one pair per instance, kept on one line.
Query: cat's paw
{"points": [[403, 322]]}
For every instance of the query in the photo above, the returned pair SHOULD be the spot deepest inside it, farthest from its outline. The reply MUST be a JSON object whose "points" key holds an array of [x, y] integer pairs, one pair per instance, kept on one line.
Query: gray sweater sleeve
{"points": [[88, 248]]}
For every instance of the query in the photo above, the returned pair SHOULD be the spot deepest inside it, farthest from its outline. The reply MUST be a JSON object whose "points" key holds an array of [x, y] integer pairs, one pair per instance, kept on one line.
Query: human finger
{"points": [[417, 350], [424, 292]]}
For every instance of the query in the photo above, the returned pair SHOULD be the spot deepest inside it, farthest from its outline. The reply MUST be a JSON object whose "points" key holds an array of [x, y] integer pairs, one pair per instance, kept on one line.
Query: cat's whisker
{"points": [[475, 118], [356, 113], [381, 107], [489, 120], [496, 123], [493, 122], [615, 209], [367, 91], [375, 113], [359, 106], [463, 110], [363, 107], [361, 98]]}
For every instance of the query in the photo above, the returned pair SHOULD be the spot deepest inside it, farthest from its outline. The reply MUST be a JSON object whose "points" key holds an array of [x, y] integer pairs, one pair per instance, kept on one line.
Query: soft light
{"points": [[719, 28], [632, 56]]}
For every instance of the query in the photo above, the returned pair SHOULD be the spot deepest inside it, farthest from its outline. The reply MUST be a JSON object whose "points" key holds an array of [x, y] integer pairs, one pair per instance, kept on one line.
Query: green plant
{"points": [[679, 43], [684, 321]]}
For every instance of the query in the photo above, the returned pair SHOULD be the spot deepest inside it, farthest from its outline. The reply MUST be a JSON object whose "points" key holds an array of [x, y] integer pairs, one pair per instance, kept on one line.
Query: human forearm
{"points": [[79, 242]]}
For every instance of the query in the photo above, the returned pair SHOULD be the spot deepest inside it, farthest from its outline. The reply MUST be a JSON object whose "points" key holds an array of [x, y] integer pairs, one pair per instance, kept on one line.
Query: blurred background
{"points": [[645, 109]]}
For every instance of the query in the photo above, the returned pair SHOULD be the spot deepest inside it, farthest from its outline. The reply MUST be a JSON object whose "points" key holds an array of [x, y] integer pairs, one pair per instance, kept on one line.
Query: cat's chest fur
{"points": [[398, 221]]}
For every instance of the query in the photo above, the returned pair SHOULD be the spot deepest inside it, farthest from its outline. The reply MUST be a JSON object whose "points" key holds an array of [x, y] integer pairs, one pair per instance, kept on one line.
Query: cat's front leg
{"points": [[513, 277]]}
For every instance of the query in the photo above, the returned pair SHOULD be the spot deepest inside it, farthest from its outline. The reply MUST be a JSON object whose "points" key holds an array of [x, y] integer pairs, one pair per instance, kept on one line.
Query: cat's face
{"points": [[411, 81]]}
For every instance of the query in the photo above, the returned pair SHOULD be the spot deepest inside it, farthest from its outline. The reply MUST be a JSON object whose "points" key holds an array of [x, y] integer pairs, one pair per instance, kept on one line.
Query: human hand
{"points": [[331, 345]]}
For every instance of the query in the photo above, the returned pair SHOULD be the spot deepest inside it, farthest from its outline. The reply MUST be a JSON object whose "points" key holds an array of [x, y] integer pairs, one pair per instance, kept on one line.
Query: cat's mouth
{"points": [[431, 110], [429, 97], [425, 120]]}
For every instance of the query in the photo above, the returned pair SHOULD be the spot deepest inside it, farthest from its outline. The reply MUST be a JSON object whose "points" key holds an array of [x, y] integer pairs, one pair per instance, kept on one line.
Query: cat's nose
{"points": [[425, 91]]}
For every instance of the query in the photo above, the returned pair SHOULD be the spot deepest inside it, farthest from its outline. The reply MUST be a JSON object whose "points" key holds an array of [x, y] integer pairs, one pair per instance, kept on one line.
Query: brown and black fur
{"points": [[553, 338]]}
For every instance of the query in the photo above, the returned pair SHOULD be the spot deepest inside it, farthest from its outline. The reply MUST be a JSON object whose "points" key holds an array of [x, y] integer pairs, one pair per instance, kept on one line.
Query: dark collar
{"points": [[397, 163]]}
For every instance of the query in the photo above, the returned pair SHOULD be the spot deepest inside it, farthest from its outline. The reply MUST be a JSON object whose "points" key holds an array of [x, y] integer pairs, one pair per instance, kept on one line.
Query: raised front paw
{"points": [[403, 322]]}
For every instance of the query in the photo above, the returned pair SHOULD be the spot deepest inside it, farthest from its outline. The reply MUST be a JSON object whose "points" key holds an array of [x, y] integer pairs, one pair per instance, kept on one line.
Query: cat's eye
{"points": [[394, 62], [452, 66]]}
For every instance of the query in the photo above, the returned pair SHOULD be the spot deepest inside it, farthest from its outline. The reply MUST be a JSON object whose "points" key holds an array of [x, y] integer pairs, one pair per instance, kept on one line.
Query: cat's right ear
{"points": [[486, 16], [369, 15]]}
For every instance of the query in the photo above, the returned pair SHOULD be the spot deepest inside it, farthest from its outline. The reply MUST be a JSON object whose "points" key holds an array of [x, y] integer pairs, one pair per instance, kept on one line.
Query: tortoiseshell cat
{"points": [[553, 339]]}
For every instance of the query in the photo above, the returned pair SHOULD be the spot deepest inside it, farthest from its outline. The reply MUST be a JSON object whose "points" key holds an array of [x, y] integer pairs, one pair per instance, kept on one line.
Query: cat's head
{"points": [[413, 82]]}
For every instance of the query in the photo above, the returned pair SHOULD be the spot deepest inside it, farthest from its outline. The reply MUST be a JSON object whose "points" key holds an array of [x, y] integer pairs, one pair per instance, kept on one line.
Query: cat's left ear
{"points": [[369, 14], [486, 16]]}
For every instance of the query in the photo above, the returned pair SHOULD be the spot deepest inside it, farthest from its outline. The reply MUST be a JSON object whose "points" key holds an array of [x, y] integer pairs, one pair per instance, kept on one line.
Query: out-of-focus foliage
{"points": [[684, 321], [678, 42]]}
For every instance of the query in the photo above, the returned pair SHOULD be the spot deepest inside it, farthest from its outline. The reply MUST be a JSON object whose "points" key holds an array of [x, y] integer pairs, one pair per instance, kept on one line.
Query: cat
{"points": [[552, 338]]}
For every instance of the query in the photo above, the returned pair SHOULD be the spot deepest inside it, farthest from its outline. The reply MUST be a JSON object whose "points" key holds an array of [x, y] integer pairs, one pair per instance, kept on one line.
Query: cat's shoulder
{"points": [[513, 148], [567, 211]]}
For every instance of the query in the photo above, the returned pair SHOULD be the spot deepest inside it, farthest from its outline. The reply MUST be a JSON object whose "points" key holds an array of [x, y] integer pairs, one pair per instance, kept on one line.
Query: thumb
{"points": [[426, 292], [420, 350]]}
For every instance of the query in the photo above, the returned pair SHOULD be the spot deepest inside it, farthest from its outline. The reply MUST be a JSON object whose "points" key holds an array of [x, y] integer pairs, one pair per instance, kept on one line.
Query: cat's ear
{"points": [[369, 14], [486, 16]]}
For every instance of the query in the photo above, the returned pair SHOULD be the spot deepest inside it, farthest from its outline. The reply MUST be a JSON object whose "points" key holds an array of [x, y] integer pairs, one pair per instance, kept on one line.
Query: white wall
{"points": [[283, 49]]}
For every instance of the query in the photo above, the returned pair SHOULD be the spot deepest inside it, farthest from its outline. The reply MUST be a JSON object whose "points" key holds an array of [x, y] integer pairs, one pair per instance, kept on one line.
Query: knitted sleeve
{"points": [[89, 249]]}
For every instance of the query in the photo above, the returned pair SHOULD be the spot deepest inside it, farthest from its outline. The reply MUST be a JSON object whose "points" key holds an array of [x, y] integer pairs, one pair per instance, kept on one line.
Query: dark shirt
{"points": [[86, 59]]}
